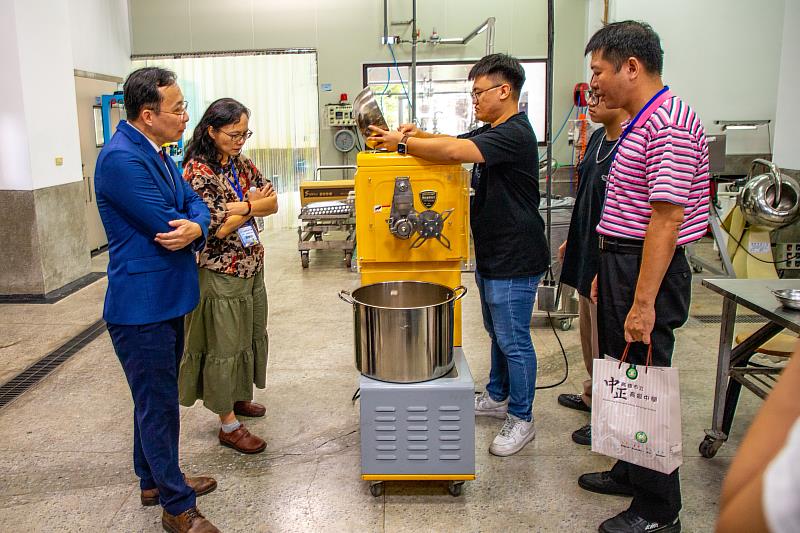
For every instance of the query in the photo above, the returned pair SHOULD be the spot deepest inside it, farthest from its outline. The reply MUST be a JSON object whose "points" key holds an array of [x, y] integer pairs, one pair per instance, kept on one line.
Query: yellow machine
{"points": [[412, 224], [412, 221]]}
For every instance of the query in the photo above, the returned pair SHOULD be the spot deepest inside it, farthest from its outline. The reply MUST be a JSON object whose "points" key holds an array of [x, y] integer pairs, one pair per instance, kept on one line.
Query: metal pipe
{"points": [[549, 130], [490, 35], [320, 168], [385, 22], [414, 61], [486, 24]]}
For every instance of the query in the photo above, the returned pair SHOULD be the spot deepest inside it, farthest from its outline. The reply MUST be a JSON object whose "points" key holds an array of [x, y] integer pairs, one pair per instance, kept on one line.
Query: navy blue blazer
{"points": [[137, 196]]}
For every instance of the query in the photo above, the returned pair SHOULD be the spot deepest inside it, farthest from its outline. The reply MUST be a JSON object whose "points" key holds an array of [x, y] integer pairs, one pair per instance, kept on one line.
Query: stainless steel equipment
{"points": [[319, 219], [403, 329], [771, 200], [788, 297], [368, 113]]}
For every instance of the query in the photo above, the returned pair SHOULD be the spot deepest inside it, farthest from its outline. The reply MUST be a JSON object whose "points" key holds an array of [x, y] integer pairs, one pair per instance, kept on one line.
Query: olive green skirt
{"points": [[226, 342]]}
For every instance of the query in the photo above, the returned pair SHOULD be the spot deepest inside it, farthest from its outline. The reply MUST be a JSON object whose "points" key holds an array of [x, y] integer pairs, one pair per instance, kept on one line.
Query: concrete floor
{"points": [[65, 445]]}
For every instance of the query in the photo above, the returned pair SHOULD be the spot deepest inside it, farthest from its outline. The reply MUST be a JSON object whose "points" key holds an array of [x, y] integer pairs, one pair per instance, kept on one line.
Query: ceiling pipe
{"points": [[488, 24]]}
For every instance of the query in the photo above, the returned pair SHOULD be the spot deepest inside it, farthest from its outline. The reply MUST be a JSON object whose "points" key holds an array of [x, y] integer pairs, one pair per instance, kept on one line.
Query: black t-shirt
{"points": [[582, 255], [506, 225]]}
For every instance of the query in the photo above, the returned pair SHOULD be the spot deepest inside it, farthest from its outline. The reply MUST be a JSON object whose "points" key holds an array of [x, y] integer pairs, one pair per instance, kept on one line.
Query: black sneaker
{"points": [[630, 522], [573, 401], [583, 435], [602, 483]]}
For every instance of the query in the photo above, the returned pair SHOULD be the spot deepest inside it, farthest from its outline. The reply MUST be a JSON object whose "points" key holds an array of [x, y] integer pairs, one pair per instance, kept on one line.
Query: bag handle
{"points": [[648, 361]]}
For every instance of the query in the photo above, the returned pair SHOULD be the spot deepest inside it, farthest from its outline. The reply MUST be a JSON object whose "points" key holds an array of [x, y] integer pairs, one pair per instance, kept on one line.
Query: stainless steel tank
{"points": [[403, 329], [771, 200]]}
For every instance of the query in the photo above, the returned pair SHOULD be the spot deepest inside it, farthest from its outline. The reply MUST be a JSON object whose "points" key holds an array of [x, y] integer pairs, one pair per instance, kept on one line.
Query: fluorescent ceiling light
{"points": [[741, 124], [739, 127]]}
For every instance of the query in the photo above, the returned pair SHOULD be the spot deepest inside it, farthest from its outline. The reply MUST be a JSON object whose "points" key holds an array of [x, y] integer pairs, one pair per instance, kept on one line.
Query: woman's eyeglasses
{"points": [[238, 137]]}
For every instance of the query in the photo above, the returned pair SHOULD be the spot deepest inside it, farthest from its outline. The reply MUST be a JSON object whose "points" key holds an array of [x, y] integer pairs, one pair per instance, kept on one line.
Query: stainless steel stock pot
{"points": [[403, 329]]}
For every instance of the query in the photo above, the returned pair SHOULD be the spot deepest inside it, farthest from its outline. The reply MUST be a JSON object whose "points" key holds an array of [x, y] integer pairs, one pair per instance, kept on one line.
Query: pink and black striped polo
{"points": [[663, 158]]}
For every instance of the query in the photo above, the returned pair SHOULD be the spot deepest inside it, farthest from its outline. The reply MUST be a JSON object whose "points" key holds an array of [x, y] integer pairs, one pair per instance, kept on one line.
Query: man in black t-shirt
{"points": [[580, 253], [510, 245]]}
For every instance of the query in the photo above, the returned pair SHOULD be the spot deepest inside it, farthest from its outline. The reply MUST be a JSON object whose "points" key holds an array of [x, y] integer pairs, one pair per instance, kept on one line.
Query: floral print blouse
{"points": [[214, 186]]}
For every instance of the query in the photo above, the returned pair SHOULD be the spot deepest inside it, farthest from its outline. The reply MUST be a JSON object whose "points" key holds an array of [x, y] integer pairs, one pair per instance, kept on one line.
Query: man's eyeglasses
{"points": [[475, 94], [238, 137], [182, 110]]}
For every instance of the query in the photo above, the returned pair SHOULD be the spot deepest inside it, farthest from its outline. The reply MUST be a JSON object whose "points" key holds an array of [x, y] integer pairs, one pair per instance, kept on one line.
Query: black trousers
{"points": [[150, 355], [657, 496]]}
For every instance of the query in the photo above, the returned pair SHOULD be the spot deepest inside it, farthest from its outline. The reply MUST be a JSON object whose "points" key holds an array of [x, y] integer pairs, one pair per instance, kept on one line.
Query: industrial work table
{"points": [[733, 364]]}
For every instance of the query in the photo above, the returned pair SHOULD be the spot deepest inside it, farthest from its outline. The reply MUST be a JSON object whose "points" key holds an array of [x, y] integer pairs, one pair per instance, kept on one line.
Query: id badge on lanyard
{"points": [[247, 235], [247, 232]]}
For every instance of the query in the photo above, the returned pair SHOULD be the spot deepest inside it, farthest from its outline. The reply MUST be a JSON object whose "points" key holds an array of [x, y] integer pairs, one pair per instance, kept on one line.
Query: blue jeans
{"points": [[150, 355], [507, 306]]}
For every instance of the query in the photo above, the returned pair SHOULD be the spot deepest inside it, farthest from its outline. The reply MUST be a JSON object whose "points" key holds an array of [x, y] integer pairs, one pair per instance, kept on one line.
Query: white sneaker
{"points": [[485, 406], [513, 436]]}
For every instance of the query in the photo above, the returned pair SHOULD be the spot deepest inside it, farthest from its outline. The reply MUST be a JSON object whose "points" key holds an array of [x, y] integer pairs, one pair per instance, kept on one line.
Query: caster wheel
{"points": [[455, 488], [697, 269], [376, 489], [317, 237], [566, 324], [348, 260], [304, 259], [709, 447]]}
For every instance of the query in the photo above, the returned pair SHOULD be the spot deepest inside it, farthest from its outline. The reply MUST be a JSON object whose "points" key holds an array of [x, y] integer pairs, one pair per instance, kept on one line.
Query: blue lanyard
{"points": [[235, 182], [639, 114]]}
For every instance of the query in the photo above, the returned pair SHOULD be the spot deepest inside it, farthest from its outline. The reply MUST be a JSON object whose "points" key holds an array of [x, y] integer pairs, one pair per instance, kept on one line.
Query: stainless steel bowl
{"points": [[368, 113], [788, 297]]}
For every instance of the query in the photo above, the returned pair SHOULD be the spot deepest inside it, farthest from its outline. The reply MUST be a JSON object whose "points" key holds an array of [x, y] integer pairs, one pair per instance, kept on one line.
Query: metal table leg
{"points": [[727, 387], [740, 358], [714, 436]]}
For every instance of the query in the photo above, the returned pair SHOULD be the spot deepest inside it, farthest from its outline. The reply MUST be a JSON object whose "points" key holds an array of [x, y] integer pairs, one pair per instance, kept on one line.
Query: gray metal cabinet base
{"points": [[419, 431]]}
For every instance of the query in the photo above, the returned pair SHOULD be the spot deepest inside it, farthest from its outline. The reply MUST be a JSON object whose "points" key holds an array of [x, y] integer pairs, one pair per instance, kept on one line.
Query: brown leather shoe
{"points": [[200, 485], [251, 409], [242, 440], [189, 521]]}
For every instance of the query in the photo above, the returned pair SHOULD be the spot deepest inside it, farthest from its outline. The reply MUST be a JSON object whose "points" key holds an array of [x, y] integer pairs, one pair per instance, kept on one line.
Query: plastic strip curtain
{"points": [[281, 92]]}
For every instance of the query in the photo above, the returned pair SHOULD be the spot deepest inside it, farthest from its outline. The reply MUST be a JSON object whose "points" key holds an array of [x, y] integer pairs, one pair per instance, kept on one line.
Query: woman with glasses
{"points": [[226, 336]]}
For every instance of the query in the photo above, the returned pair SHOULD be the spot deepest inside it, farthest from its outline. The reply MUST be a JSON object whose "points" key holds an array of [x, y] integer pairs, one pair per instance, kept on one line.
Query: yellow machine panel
{"points": [[398, 241], [442, 187]]}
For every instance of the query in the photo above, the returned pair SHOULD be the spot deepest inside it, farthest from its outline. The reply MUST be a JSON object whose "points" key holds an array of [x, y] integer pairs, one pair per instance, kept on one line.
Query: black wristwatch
{"points": [[402, 147]]}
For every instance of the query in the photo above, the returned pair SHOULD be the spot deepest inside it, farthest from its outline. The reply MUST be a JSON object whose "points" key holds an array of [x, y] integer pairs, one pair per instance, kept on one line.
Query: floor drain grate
{"points": [[740, 319], [41, 369]]}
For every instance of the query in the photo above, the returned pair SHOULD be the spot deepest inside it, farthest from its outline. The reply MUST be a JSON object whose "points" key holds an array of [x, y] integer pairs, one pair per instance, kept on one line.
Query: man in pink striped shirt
{"points": [[656, 202]]}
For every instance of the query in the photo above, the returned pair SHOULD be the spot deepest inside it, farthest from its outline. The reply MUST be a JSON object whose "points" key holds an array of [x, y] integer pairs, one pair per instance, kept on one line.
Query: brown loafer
{"points": [[200, 485], [251, 409], [189, 521], [242, 440]]}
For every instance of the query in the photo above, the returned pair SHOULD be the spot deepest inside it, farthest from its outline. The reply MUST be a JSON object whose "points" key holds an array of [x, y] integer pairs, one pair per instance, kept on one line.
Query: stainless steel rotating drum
{"points": [[403, 329]]}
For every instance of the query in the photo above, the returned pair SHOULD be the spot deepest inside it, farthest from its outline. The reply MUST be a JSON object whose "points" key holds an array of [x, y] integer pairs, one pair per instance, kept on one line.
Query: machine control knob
{"points": [[402, 228]]}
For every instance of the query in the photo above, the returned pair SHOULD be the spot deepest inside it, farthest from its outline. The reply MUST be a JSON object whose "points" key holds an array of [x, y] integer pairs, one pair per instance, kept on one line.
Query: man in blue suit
{"points": [[155, 223]]}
